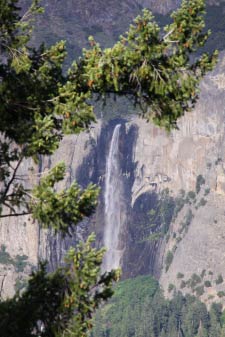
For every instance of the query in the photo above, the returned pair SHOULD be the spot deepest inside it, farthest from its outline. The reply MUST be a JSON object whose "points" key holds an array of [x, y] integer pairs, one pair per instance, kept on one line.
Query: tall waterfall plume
{"points": [[114, 219]]}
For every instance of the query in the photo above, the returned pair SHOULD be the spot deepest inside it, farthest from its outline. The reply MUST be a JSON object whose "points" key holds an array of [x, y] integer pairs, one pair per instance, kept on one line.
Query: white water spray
{"points": [[113, 205]]}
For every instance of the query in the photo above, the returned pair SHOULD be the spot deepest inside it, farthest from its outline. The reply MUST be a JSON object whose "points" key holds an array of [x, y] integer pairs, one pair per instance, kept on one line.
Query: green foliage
{"points": [[195, 279], [186, 222], [38, 106], [5, 257], [166, 210], [199, 182], [61, 301], [207, 284], [168, 259], [164, 213], [211, 297], [160, 218], [139, 313], [202, 202], [218, 160], [219, 279], [182, 284], [19, 285], [88, 287], [152, 62], [222, 318], [180, 201], [199, 290], [171, 287], [35, 304], [221, 294], [154, 237], [19, 262], [127, 307], [191, 195], [61, 210], [207, 190], [215, 314], [180, 275]]}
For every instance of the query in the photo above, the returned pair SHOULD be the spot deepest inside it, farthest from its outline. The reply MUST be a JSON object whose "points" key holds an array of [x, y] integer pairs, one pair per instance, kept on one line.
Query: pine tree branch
{"points": [[168, 34], [11, 180], [14, 214]]}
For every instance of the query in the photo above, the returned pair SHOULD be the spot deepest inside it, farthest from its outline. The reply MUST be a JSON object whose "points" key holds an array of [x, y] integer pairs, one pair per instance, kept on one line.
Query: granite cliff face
{"points": [[173, 184], [190, 159]]}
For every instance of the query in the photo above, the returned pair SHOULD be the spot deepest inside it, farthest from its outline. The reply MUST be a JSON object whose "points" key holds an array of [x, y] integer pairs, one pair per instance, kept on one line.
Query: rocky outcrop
{"points": [[19, 242], [179, 161]]}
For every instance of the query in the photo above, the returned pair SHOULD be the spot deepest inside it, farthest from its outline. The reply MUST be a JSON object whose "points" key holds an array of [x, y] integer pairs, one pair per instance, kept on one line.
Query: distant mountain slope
{"points": [[75, 20]]}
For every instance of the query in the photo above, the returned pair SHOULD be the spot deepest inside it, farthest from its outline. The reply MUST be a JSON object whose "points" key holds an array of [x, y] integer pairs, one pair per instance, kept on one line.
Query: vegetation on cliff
{"points": [[139, 309]]}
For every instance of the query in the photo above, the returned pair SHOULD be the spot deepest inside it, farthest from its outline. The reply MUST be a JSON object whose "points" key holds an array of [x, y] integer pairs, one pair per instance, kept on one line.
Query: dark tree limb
{"points": [[14, 214]]}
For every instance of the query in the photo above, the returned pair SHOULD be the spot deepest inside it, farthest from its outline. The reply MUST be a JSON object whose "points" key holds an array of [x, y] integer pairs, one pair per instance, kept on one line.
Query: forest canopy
{"points": [[139, 309]]}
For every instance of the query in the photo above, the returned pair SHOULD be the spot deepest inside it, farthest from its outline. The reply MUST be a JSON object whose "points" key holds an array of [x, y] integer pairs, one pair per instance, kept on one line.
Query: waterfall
{"points": [[113, 205]]}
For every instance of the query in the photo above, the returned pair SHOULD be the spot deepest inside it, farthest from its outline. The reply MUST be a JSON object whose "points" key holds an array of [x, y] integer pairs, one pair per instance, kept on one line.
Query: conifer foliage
{"points": [[139, 309], [40, 103]]}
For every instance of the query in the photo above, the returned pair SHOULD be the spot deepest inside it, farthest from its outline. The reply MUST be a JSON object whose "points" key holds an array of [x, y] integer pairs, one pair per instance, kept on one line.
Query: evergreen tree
{"points": [[202, 332], [215, 325], [222, 333], [156, 316]]}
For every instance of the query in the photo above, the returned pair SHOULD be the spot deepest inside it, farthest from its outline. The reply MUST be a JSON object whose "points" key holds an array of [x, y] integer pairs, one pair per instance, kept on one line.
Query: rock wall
{"points": [[152, 161], [19, 242], [178, 161]]}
